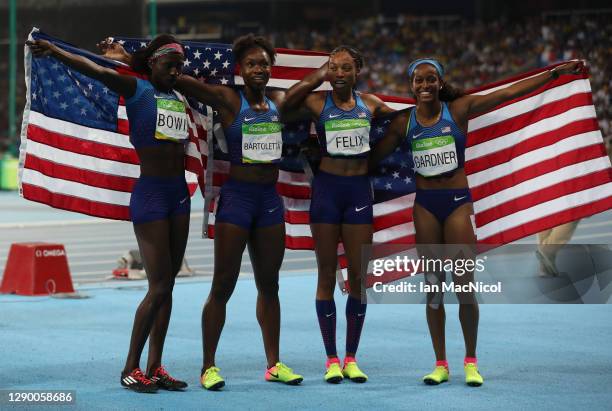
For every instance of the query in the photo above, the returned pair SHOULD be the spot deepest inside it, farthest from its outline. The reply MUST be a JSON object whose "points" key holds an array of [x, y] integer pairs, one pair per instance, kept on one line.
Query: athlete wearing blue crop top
{"points": [[437, 129], [160, 203], [249, 212], [341, 196]]}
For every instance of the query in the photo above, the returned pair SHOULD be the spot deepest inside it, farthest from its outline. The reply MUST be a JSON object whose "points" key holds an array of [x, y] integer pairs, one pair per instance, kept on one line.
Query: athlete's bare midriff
{"points": [[344, 166], [254, 173], [162, 161], [454, 181]]}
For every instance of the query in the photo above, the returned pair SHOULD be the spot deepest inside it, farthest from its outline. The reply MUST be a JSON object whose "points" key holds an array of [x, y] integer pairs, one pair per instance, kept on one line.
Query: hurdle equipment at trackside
{"points": [[36, 269]]}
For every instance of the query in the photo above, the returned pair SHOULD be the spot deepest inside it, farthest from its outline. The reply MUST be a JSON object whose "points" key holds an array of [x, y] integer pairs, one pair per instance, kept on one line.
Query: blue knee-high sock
{"points": [[355, 316], [326, 312]]}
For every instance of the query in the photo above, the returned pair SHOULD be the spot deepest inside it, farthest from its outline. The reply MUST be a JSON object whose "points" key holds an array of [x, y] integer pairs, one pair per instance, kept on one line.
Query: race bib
{"points": [[434, 156], [262, 142], [347, 137], [171, 120]]}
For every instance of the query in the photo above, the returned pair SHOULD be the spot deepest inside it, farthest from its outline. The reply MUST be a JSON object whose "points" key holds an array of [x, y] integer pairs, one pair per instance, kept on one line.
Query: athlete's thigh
{"points": [[428, 231], [458, 227], [230, 242], [267, 249], [458, 230], [154, 244]]}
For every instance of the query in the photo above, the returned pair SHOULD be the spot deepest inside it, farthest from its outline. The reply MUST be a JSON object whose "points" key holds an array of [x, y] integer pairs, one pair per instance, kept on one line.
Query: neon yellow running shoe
{"points": [[333, 374], [352, 371], [438, 376], [211, 380], [281, 373], [472, 376]]}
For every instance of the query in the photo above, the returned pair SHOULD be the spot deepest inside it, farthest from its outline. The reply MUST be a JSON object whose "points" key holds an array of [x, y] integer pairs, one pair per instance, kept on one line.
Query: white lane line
{"points": [[131, 244], [89, 238], [594, 225], [63, 223], [588, 236], [199, 267], [75, 259]]}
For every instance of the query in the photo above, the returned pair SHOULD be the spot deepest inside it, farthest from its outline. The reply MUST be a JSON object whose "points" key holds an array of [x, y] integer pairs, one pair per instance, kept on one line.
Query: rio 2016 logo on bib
{"points": [[262, 142], [435, 155], [347, 137], [171, 120]]}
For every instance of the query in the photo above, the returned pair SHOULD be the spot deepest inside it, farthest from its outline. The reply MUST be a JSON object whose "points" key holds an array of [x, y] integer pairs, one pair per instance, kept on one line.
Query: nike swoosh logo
{"points": [[249, 119], [359, 209], [273, 375], [337, 115], [183, 200], [416, 135], [273, 210], [360, 315], [460, 198], [329, 315]]}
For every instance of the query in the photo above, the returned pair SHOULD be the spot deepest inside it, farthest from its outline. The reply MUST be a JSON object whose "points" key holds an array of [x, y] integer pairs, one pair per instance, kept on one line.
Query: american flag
{"points": [[75, 149], [527, 144], [215, 62], [537, 161]]}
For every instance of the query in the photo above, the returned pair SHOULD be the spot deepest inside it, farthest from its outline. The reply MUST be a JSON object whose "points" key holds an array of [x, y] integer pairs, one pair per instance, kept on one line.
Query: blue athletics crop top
{"points": [[436, 149], [344, 134], [255, 137], [156, 117]]}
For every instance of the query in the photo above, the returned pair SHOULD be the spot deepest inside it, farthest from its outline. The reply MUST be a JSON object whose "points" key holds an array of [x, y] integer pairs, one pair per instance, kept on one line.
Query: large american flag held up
{"points": [[75, 149], [532, 163]]}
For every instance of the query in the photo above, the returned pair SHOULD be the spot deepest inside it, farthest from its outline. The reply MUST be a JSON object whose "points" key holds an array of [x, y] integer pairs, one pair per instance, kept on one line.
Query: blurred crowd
{"points": [[474, 53]]}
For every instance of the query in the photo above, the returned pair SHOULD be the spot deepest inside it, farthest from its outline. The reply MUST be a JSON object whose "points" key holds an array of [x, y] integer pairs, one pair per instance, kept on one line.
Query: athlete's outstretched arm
{"points": [[219, 97], [396, 132], [121, 84], [278, 97], [300, 93], [212, 95], [378, 107], [475, 105]]}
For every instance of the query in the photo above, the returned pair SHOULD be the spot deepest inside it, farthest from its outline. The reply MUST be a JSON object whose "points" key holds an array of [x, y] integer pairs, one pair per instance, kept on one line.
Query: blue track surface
{"points": [[532, 356]]}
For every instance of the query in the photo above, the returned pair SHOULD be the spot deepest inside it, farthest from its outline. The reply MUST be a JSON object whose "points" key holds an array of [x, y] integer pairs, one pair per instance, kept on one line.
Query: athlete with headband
{"points": [[249, 212], [437, 130], [341, 200], [160, 202]]}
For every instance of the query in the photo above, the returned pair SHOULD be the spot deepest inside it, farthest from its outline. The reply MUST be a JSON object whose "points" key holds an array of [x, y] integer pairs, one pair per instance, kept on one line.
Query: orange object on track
{"points": [[36, 269]]}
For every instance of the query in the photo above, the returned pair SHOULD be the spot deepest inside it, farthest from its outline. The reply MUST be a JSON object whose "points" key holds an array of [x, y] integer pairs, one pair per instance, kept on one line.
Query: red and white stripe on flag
{"points": [[88, 170], [537, 162]]}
